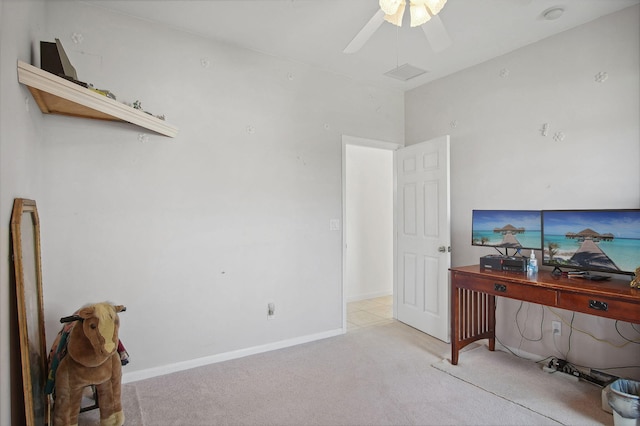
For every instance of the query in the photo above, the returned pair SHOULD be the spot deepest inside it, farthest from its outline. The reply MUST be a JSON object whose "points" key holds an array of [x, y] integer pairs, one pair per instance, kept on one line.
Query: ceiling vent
{"points": [[405, 72]]}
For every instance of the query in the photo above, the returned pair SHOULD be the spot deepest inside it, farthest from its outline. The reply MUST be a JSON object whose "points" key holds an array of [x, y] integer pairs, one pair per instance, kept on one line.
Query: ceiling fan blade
{"points": [[365, 33], [437, 34]]}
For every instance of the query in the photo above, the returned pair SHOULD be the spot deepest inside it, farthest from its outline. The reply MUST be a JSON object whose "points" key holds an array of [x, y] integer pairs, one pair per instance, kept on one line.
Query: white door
{"points": [[423, 237]]}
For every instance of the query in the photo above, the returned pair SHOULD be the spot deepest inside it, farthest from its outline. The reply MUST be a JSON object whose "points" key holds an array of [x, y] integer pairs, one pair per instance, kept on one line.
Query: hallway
{"points": [[369, 312]]}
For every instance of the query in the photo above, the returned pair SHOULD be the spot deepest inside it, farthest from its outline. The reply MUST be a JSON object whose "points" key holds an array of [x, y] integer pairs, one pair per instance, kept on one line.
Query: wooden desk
{"points": [[474, 291]]}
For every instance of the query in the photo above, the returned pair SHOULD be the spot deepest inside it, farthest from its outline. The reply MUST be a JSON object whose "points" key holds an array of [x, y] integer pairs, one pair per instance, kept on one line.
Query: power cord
{"points": [[637, 342], [572, 327], [587, 374], [518, 324], [554, 364]]}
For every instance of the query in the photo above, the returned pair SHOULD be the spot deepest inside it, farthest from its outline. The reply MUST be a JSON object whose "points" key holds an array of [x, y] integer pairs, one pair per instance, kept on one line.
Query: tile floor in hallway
{"points": [[368, 312]]}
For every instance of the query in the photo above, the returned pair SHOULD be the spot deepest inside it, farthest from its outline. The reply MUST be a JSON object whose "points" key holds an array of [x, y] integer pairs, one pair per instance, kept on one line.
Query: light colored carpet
{"points": [[569, 401], [380, 375]]}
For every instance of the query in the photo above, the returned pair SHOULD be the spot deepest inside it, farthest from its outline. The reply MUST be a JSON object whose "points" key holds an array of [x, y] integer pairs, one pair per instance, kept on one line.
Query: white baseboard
{"points": [[519, 352], [369, 296], [148, 373]]}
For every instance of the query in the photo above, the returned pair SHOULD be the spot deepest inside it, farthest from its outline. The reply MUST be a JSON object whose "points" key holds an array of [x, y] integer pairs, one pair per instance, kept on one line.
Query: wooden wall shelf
{"points": [[55, 95]]}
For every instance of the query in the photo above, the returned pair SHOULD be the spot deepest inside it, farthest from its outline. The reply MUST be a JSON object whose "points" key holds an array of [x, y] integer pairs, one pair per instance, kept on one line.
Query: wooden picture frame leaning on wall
{"points": [[25, 232]]}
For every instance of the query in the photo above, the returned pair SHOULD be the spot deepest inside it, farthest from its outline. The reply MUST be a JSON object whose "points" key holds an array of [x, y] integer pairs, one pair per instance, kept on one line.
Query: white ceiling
{"points": [[316, 31]]}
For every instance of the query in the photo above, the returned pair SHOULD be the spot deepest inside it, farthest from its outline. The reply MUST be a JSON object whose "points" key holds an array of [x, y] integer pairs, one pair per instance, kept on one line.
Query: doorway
{"points": [[368, 232], [420, 232]]}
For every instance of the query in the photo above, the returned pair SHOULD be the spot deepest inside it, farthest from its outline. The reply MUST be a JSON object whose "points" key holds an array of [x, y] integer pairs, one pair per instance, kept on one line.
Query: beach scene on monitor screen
{"points": [[507, 228], [600, 240]]}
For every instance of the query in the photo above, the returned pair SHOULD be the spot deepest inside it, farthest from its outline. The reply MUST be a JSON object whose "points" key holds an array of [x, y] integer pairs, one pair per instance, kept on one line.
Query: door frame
{"points": [[372, 143]]}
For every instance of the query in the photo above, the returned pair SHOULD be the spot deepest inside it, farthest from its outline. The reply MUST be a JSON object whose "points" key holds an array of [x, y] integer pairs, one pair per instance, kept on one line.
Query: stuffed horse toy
{"points": [[636, 281], [91, 358]]}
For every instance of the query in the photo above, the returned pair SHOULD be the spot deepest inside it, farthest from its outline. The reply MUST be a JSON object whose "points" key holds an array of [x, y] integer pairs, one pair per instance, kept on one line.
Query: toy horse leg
{"points": [[116, 385], [111, 413], [62, 400], [75, 401], [67, 401], [105, 402], [108, 415]]}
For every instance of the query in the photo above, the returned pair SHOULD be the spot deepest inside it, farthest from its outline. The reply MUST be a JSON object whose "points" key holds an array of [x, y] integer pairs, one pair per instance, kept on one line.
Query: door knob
{"points": [[442, 249]]}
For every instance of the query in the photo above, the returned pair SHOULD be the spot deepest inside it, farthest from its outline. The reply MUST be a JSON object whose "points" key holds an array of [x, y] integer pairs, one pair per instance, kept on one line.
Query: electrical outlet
{"points": [[556, 326]]}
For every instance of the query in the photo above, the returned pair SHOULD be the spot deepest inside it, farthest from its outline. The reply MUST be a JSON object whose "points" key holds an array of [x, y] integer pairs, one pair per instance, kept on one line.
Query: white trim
{"points": [[372, 143], [148, 373], [394, 162], [517, 352]]}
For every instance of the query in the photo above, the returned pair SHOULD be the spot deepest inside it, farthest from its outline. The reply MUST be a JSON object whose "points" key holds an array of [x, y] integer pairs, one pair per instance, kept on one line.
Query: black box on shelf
{"points": [[498, 262]]}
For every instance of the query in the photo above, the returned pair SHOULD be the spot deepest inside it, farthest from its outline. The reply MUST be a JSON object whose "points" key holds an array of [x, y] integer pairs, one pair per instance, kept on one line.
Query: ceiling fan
{"points": [[424, 13]]}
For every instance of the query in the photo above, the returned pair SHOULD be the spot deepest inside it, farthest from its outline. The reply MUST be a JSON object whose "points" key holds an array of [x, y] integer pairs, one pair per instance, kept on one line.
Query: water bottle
{"points": [[532, 268]]}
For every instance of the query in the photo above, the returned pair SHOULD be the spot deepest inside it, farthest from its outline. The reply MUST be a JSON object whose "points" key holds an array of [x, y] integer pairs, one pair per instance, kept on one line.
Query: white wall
{"points": [[196, 234], [20, 145], [369, 222], [494, 113]]}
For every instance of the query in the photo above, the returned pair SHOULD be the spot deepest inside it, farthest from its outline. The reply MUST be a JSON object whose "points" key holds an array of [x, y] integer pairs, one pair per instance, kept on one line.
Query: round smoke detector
{"points": [[553, 13]]}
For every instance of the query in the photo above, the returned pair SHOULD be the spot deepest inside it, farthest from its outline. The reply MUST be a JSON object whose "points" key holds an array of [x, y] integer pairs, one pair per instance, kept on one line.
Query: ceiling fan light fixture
{"points": [[390, 7], [396, 18], [419, 14], [421, 10], [435, 6]]}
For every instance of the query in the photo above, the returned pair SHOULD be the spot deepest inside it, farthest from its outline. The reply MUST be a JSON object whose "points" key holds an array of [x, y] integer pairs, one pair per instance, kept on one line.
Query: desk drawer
{"points": [[527, 293], [600, 306]]}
